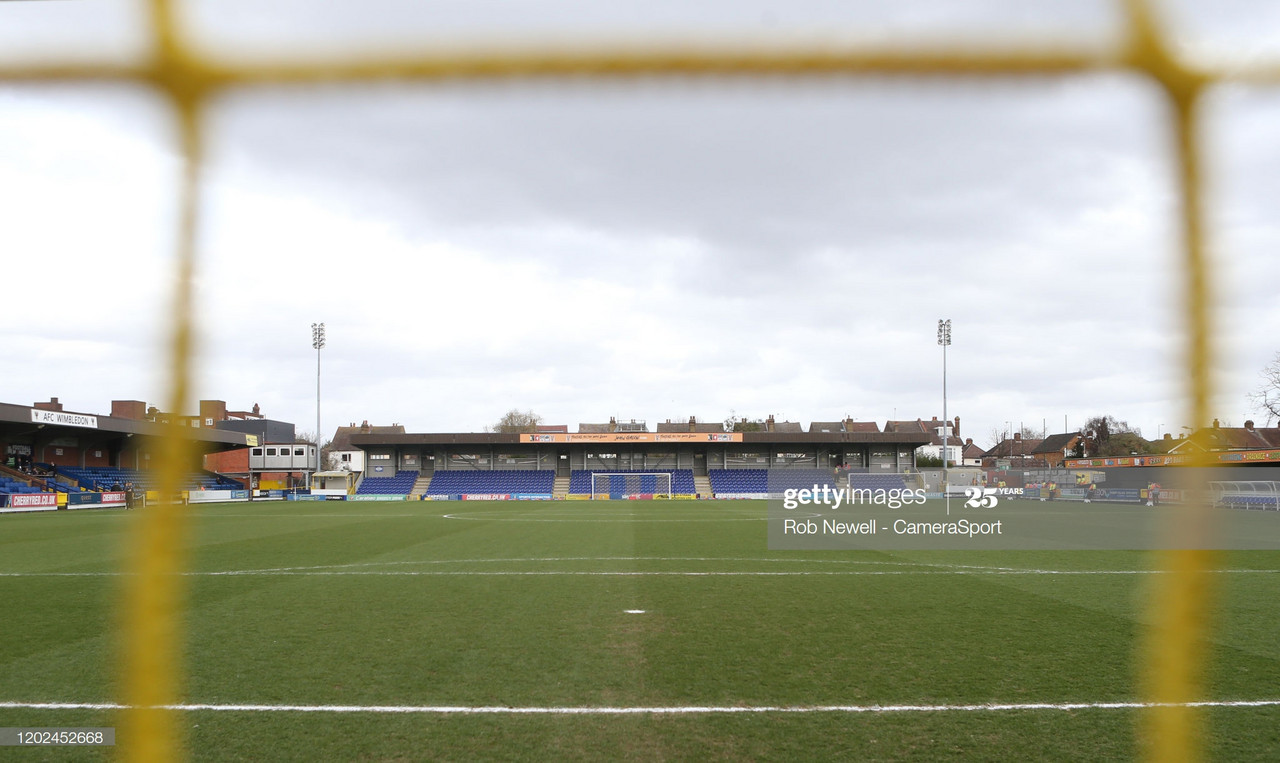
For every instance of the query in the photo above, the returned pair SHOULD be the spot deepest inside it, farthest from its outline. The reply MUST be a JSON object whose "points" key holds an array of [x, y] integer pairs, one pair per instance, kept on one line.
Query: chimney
{"points": [[256, 410], [956, 429], [613, 424], [1248, 425], [213, 409], [1017, 437], [693, 423], [128, 409], [1215, 421], [52, 405]]}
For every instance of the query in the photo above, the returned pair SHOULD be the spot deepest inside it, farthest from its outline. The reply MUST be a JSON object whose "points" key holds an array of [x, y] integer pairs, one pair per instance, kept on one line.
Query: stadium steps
{"points": [[561, 488], [703, 486], [420, 486]]}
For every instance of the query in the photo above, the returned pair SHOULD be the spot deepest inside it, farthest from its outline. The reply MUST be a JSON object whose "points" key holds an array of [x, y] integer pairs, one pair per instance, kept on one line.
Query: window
{"points": [[271, 451], [346, 456], [299, 452], [257, 452]]}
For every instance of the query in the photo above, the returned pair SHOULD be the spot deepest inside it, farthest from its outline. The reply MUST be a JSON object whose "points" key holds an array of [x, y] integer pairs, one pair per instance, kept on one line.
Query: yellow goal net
{"points": [[187, 81]]}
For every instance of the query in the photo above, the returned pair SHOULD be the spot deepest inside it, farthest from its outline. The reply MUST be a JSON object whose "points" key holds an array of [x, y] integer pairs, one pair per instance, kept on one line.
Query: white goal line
{"points": [[304, 572], [658, 710]]}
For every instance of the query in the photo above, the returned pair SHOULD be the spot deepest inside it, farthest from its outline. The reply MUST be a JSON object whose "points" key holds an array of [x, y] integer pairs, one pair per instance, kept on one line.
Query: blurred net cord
{"points": [[1173, 662]]}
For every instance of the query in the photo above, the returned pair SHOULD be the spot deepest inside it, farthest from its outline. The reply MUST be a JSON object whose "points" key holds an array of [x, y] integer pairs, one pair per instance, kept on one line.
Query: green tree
{"points": [[516, 421], [1109, 436]]}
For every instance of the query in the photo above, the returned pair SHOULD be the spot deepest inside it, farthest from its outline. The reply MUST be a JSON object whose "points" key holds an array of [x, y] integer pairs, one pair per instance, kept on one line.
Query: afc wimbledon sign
{"points": [[63, 419]]}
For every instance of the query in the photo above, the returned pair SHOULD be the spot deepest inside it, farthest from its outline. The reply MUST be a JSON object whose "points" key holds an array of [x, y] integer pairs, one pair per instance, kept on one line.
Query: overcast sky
{"points": [[648, 249]]}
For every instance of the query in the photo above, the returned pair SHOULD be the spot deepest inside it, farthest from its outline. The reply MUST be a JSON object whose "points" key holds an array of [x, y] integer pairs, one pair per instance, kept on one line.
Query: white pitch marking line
{"points": [[601, 518], [618, 573], [651, 710], [524, 560], [634, 611]]}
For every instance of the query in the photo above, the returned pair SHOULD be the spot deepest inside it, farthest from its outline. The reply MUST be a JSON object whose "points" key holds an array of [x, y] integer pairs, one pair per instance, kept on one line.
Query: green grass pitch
{"points": [[525, 605]]}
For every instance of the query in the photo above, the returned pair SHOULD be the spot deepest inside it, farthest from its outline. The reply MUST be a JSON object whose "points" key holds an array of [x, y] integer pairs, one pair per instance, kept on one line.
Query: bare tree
{"points": [[516, 421], [1266, 398], [736, 423]]}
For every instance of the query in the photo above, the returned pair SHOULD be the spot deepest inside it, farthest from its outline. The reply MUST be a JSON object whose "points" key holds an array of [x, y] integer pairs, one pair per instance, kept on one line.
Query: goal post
{"points": [[626, 485]]}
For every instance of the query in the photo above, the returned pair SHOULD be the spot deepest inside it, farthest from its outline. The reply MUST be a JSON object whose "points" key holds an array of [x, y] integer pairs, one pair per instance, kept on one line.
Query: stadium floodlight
{"points": [[944, 340], [317, 342]]}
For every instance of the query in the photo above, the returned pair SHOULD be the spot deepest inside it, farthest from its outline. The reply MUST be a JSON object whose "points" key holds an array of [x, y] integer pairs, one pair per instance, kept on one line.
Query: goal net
{"points": [[624, 485]]}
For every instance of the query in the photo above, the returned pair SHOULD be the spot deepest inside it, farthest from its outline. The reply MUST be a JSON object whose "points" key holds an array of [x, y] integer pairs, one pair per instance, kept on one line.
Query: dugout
{"points": [[332, 483]]}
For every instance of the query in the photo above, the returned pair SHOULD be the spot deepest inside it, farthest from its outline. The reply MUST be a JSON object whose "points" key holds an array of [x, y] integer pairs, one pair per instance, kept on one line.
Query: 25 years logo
{"points": [[981, 497], [985, 497]]}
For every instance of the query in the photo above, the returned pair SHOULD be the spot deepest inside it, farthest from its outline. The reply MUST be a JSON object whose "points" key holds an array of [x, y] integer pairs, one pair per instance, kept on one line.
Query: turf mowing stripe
{"points": [[674, 710]]}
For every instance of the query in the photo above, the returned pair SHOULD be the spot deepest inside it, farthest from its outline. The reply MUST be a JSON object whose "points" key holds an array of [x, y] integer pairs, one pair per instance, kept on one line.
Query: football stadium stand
{"points": [[681, 481], [498, 482], [400, 484], [877, 481], [739, 481], [10, 486], [108, 477], [799, 479], [761, 481]]}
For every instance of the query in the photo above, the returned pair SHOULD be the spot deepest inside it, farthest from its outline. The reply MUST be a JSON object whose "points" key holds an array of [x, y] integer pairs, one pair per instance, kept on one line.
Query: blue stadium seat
{"points": [[498, 482], [400, 484]]}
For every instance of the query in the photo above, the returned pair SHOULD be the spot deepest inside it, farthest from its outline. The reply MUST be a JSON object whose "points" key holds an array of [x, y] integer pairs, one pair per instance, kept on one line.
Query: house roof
{"points": [[342, 437], [1233, 438], [1056, 443], [1009, 447], [915, 425], [848, 425], [683, 426], [826, 426]]}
